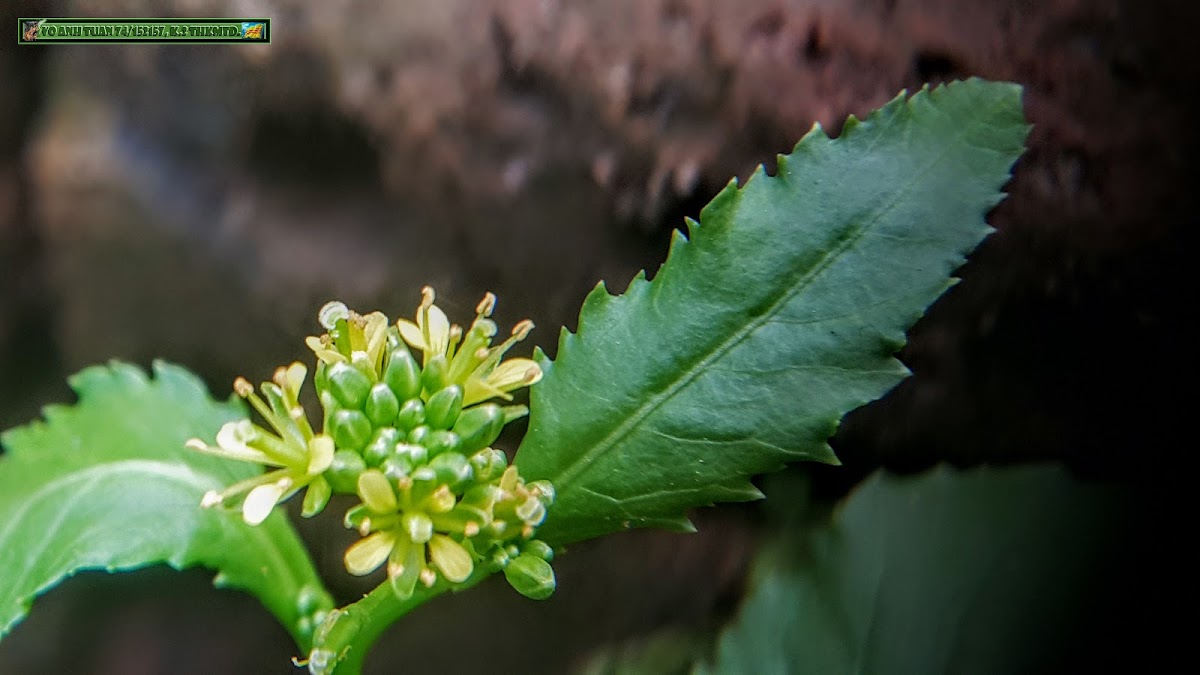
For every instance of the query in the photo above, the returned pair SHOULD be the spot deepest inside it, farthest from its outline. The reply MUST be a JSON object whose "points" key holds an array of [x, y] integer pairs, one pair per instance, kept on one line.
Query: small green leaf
{"points": [[984, 571], [107, 484], [778, 316]]}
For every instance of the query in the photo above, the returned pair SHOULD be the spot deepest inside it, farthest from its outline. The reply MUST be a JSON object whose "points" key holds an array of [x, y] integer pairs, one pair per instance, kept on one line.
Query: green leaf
{"points": [[779, 316], [986, 571], [107, 484]]}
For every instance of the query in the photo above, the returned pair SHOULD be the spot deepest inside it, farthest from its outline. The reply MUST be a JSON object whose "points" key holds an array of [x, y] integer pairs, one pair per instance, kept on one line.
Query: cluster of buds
{"points": [[411, 438]]}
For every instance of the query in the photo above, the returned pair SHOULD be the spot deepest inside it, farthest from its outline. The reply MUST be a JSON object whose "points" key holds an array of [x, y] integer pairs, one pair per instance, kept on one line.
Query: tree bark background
{"points": [[199, 203]]}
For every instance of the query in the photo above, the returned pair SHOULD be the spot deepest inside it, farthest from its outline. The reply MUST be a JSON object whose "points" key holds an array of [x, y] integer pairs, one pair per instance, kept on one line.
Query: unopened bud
{"points": [[531, 576], [382, 406], [443, 408], [350, 429], [349, 385], [403, 375]]}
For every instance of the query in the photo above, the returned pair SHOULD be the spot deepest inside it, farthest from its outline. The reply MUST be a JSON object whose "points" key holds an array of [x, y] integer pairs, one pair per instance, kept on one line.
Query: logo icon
{"points": [[253, 31], [29, 30]]}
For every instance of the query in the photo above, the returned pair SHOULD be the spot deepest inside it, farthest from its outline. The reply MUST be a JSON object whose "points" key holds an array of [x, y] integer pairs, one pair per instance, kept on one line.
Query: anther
{"points": [[522, 330], [485, 306], [242, 387]]}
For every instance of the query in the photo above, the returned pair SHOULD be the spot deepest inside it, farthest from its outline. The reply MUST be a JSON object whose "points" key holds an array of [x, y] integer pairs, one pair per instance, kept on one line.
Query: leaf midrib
{"points": [[621, 431]]}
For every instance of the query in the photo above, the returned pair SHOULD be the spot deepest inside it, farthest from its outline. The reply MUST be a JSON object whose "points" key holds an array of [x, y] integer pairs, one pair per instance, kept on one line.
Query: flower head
{"points": [[410, 437]]}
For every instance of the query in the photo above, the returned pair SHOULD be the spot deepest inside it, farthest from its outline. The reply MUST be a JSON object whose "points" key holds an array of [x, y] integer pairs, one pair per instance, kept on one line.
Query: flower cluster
{"points": [[411, 438]]}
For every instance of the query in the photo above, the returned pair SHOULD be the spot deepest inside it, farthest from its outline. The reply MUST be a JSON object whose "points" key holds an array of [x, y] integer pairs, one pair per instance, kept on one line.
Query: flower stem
{"points": [[342, 642]]}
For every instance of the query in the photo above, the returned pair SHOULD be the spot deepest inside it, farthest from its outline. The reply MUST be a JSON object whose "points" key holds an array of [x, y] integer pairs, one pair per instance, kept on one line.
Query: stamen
{"points": [[428, 577], [331, 313], [242, 387], [522, 330], [486, 306]]}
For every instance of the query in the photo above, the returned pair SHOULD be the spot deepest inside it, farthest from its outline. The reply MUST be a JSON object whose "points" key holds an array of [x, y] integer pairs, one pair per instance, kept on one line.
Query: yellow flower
{"points": [[350, 336], [301, 457], [473, 364], [410, 535], [431, 332]]}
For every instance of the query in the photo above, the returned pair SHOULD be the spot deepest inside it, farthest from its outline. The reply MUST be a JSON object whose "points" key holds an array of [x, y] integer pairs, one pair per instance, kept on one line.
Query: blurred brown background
{"points": [[198, 203]]}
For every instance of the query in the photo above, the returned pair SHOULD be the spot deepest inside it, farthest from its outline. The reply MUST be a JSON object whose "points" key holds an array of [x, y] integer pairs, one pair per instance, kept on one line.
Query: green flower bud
{"points": [[419, 434], [539, 548], [402, 374], [411, 415], [343, 472], [310, 599], [316, 497], [382, 445], [531, 511], [543, 490], [452, 469], [489, 463], [415, 454], [305, 626], [349, 385], [396, 467], [350, 429], [382, 405], [442, 409], [439, 442], [499, 559], [434, 377], [531, 576], [481, 498], [479, 427]]}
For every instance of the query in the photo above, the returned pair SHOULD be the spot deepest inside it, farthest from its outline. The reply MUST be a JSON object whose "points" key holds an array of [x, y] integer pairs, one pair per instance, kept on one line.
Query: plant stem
{"points": [[342, 642]]}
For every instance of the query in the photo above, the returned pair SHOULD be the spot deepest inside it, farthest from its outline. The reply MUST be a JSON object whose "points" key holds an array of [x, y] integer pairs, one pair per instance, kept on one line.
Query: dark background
{"points": [[199, 203]]}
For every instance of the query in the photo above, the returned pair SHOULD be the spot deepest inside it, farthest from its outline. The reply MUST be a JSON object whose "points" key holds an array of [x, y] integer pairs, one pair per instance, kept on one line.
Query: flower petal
{"points": [[261, 500], [321, 451], [451, 558], [477, 391], [294, 375], [327, 355], [404, 567], [437, 327], [366, 555], [515, 373], [243, 454], [376, 491], [411, 333], [375, 332]]}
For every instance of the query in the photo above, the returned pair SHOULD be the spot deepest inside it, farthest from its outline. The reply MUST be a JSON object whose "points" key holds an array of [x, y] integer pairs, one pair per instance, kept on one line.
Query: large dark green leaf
{"points": [[984, 571], [107, 484], [778, 316]]}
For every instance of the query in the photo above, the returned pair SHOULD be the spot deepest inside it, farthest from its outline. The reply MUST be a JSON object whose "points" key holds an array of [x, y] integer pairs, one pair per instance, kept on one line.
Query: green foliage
{"points": [[973, 572], [780, 315], [107, 484]]}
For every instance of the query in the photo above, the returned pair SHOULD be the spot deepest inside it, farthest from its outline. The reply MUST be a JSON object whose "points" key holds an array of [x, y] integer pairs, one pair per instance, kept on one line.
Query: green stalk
{"points": [[342, 642]]}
